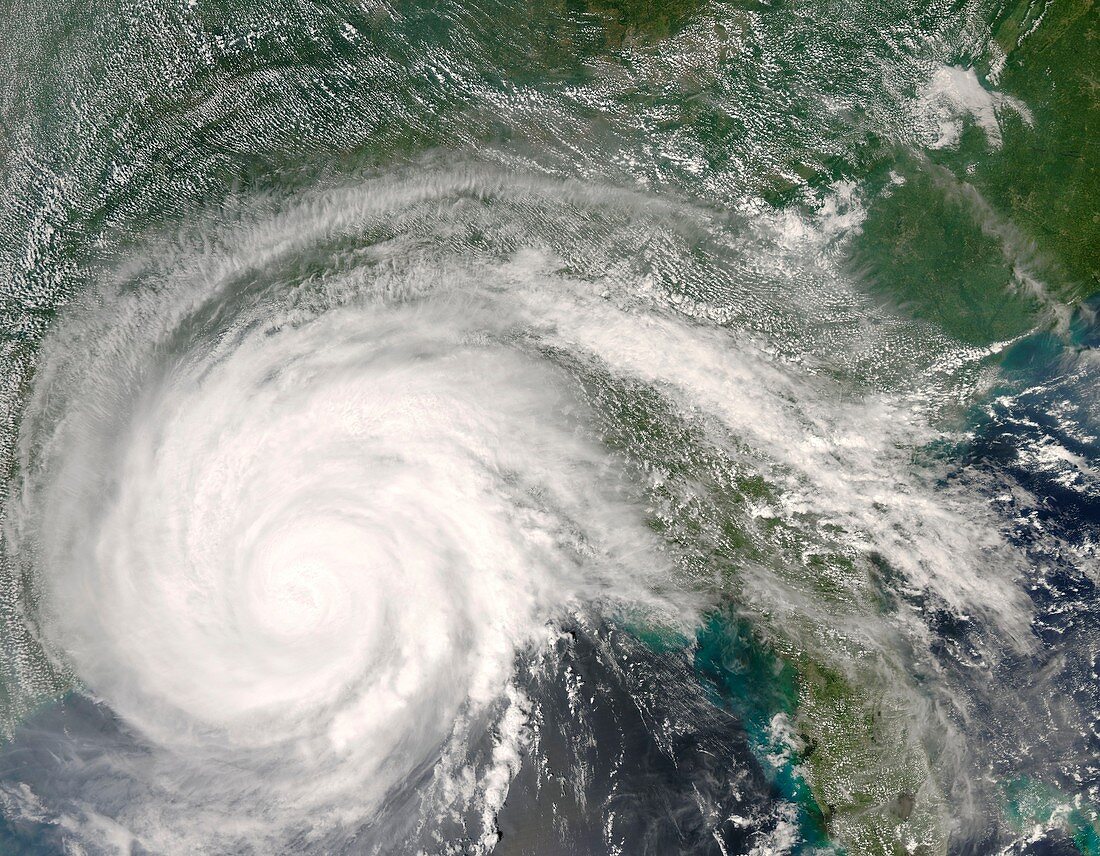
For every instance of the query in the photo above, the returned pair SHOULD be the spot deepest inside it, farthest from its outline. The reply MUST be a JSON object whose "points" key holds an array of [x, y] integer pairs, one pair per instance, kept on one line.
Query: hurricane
{"points": [[585, 428]]}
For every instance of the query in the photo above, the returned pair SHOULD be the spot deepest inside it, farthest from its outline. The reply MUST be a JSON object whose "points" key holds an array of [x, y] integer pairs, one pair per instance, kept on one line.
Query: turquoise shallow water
{"points": [[560, 427]]}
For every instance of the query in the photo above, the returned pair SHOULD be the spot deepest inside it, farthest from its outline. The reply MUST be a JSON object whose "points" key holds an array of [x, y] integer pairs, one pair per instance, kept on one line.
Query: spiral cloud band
{"points": [[299, 490]]}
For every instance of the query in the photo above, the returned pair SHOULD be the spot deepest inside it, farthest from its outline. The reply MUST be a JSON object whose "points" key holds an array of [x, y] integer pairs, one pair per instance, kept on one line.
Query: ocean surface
{"points": [[564, 427]]}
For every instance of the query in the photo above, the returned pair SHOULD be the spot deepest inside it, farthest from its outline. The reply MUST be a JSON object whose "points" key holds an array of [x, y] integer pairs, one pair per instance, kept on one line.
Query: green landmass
{"points": [[1047, 177]]}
